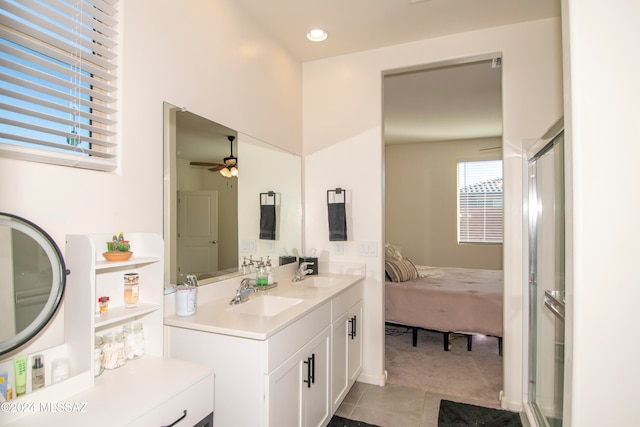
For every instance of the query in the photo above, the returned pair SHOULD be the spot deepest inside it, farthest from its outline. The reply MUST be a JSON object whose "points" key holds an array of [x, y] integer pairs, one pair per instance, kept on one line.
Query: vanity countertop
{"points": [[218, 316]]}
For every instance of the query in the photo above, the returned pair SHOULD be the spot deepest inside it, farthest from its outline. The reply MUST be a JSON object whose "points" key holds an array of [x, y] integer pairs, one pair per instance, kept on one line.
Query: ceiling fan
{"points": [[228, 168]]}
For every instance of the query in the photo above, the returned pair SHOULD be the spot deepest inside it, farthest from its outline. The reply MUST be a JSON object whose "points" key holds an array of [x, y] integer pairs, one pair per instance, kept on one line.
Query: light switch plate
{"points": [[368, 249], [248, 245]]}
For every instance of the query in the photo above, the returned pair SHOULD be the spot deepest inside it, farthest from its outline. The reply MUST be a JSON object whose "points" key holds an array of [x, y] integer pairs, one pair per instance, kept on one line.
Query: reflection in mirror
{"points": [[32, 279], [211, 221]]}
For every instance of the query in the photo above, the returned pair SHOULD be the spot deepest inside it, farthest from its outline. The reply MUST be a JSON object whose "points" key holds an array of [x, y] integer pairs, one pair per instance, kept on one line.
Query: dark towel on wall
{"points": [[337, 222], [268, 222]]}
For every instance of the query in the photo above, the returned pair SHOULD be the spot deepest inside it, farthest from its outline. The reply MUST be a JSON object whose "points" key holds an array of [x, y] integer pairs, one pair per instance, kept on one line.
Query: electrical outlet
{"points": [[338, 248]]}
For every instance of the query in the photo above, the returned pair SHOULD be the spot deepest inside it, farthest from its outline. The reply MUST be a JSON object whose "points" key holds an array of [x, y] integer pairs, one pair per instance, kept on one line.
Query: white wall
{"points": [[202, 55], [602, 133], [346, 92]]}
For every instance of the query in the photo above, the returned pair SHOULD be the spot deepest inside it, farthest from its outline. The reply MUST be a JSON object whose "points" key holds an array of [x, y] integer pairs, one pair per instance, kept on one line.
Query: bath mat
{"points": [[455, 414], [337, 421]]}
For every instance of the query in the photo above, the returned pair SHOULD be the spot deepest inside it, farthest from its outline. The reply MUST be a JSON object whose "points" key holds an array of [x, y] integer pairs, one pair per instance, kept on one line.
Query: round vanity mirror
{"points": [[32, 280]]}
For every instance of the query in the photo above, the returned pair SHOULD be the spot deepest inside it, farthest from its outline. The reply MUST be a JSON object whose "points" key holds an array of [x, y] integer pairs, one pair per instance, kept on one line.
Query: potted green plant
{"points": [[118, 248]]}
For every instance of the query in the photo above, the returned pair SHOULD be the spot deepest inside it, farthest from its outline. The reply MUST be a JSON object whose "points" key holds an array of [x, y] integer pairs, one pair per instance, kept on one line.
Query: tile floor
{"points": [[394, 406]]}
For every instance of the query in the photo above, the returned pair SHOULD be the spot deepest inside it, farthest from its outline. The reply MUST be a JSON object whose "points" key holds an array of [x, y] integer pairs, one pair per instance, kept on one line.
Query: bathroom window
{"points": [[57, 91], [480, 202]]}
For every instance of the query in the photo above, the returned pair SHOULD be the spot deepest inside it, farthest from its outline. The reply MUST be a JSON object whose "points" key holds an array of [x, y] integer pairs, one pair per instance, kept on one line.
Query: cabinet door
{"points": [[298, 392], [346, 353], [354, 342], [316, 399], [340, 363], [285, 393]]}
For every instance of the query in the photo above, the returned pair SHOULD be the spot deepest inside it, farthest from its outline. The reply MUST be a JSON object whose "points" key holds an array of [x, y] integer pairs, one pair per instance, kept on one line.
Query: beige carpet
{"points": [[475, 375]]}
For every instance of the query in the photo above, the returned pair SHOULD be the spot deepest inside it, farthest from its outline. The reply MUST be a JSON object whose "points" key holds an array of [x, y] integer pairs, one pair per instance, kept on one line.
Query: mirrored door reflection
{"points": [[547, 283]]}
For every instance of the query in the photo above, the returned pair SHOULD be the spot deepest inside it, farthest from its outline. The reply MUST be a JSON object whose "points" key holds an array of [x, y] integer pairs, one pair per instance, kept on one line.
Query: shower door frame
{"points": [[548, 142]]}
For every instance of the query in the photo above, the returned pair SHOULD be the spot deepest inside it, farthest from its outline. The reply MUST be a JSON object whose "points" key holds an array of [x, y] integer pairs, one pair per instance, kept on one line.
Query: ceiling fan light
{"points": [[234, 171], [225, 172]]}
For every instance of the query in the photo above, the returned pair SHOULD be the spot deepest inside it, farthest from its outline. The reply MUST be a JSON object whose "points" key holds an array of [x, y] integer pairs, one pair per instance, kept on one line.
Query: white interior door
{"points": [[197, 232]]}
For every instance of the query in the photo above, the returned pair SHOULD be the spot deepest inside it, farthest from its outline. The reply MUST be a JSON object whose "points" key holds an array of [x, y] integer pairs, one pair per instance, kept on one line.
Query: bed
{"points": [[444, 299]]}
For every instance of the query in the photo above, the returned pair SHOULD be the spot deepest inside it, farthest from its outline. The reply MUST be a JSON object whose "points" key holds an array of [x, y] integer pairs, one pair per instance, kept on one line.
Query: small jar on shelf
{"points": [[131, 290], [98, 357], [113, 350], [134, 340]]}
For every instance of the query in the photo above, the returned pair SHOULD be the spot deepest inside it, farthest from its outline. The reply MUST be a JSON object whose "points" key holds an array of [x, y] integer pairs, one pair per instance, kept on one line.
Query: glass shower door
{"points": [[547, 283]]}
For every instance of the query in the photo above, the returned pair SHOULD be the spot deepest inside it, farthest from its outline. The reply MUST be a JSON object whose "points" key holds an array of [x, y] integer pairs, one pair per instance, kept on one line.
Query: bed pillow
{"points": [[392, 252], [401, 271]]}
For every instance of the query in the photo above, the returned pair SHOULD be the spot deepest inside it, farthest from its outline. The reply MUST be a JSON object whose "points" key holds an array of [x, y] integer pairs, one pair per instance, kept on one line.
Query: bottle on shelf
{"points": [[98, 357], [113, 350], [131, 290], [37, 372], [134, 340]]}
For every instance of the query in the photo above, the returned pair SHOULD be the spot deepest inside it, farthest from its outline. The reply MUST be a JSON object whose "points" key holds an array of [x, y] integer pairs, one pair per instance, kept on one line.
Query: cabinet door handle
{"points": [[352, 322], [313, 368], [309, 378], [184, 415]]}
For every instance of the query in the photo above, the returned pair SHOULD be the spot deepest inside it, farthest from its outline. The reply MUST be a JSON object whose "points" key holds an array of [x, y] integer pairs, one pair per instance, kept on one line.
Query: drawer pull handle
{"points": [[352, 323], [309, 377], [313, 368], [184, 415]]}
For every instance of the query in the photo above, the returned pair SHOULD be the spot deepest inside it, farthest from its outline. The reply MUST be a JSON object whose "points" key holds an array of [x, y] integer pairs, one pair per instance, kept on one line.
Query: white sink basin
{"points": [[321, 282], [266, 305]]}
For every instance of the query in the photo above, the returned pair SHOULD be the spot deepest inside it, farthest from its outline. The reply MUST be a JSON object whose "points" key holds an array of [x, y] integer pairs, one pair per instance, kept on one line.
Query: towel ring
{"points": [[266, 196], [338, 191]]}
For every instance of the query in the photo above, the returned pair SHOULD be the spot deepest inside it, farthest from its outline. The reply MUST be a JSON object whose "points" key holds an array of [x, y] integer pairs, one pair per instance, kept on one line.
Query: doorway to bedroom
{"points": [[443, 215]]}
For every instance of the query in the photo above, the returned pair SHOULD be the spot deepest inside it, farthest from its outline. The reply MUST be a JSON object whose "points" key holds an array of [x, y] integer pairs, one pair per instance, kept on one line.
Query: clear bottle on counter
{"points": [[131, 290], [261, 275], [133, 340], [267, 265], [98, 357], [59, 370], [113, 350]]}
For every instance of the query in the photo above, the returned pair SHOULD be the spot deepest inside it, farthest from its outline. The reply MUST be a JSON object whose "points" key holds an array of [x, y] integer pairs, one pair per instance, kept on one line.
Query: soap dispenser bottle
{"points": [[269, 273], [261, 275]]}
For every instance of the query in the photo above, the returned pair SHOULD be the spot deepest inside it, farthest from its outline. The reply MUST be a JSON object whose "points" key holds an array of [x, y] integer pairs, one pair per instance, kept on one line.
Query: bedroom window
{"points": [[480, 202], [57, 91]]}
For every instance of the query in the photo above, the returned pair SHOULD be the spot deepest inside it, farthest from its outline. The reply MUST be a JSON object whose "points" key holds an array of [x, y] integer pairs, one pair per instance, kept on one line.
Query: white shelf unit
{"points": [[91, 277], [89, 274], [163, 388]]}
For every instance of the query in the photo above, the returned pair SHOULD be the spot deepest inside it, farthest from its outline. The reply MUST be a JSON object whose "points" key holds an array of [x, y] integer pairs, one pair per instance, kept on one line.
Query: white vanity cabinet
{"points": [[346, 341], [262, 382], [279, 370]]}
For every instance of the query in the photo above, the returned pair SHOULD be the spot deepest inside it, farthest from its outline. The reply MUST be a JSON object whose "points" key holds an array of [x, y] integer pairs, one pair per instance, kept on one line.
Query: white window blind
{"points": [[480, 202], [57, 87]]}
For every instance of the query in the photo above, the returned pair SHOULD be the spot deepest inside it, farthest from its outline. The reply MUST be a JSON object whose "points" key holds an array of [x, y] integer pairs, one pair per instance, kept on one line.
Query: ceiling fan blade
{"points": [[202, 163], [205, 164], [217, 168]]}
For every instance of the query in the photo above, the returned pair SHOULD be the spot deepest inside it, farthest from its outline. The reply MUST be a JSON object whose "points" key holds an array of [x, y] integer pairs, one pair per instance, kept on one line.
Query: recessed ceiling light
{"points": [[317, 35]]}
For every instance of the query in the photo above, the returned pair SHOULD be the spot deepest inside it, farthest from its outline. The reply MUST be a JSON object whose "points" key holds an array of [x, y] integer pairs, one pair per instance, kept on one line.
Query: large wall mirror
{"points": [[32, 280], [211, 219]]}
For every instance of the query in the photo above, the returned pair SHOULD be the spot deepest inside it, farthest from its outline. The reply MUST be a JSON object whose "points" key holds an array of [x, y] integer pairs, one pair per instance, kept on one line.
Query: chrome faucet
{"points": [[243, 292], [302, 271]]}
